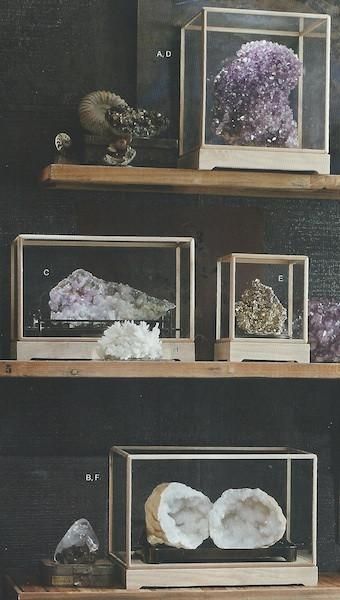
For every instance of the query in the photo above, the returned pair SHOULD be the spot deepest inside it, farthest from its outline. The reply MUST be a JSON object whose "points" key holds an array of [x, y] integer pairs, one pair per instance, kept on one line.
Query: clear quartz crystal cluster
{"points": [[181, 517], [82, 296], [324, 330], [128, 341], [251, 96], [260, 312]]}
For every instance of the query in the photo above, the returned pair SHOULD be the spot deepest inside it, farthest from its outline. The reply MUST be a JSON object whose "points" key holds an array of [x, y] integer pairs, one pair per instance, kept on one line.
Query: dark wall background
{"points": [[54, 432]]}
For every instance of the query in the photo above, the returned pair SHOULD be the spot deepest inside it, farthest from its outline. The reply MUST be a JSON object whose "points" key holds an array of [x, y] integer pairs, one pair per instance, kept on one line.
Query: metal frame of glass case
{"points": [[237, 349], [27, 348], [136, 574], [203, 155]]}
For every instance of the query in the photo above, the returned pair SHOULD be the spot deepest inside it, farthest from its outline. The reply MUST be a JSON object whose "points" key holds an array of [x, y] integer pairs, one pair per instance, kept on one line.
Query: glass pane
{"points": [[302, 506], [265, 81], [314, 94], [262, 301], [192, 98], [201, 450], [78, 291], [225, 295], [212, 477], [258, 21], [118, 507]]}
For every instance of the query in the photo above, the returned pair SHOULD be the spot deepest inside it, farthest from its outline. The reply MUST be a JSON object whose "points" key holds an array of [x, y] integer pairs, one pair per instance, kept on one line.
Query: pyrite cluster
{"points": [[260, 312]]}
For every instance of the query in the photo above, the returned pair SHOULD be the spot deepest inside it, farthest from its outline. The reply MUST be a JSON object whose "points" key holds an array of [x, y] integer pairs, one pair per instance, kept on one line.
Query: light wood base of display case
{"points": [[230, 574], [266, 159], [328, 588], [262, 350], [181, 350]]}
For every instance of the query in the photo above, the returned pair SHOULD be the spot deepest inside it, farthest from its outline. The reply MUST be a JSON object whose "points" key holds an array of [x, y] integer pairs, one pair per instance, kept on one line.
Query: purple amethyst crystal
{"points": [[251, 96], [324, 330]]}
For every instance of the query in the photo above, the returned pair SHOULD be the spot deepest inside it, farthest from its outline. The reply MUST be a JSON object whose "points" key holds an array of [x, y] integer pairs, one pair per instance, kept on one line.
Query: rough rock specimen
{"points": [[260, 312], [128, 340], [246, 518], [82, 296], [79, 544], [251, 96], [324, 330], [177, 515]]}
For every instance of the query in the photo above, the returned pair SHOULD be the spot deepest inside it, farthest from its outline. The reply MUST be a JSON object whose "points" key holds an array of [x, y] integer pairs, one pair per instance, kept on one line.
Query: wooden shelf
{"points": [[328, 588], [164, 369], [188, 181]]}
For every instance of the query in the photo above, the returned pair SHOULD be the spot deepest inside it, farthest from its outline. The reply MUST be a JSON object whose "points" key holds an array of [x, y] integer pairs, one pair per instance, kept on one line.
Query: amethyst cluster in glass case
{"points": [[324, 330], [251, 95]]}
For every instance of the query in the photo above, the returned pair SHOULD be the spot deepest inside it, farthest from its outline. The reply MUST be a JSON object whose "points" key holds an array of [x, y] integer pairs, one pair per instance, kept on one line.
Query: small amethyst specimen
{"points": [[251, 96], [324, 330]]}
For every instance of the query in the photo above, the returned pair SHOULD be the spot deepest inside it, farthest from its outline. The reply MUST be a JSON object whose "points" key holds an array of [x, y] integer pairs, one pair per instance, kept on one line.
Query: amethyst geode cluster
{"points": [[324, 330], [251, 96]]}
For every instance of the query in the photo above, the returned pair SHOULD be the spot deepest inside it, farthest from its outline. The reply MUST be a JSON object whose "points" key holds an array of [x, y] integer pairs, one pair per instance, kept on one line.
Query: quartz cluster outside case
{"points": [[255, 90], [262, 308], [195, 516], [67, 290]]}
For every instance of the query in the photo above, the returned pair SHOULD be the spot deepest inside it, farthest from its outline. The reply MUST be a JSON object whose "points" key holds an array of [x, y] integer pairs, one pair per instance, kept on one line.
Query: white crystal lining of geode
{"points": [[246, 518], [177, 515], [82, 296], [128, 341]]}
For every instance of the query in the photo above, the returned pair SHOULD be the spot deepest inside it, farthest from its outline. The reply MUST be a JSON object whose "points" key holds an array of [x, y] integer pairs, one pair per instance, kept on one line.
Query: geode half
{"points": [[260, 312], [246, 518], [82, 296], [177, 515]]}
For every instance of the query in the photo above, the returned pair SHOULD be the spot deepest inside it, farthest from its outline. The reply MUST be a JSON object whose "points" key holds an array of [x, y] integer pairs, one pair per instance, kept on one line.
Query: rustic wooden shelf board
{"points": [[329, 587], [167, 369], [189, 181]]}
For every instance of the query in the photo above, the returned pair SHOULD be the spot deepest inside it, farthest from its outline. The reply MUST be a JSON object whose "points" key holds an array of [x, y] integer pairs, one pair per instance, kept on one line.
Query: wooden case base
{"points": [[175, 349], [232, 157], [262, 350], [246, 574]]}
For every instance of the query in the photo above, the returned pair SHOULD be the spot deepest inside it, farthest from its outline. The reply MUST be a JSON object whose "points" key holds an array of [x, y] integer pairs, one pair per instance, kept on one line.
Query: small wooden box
{"points": [[98, 574]]}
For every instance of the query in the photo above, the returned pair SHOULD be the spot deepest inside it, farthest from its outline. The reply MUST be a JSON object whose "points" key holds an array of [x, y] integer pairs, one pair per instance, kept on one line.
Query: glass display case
{"points": [[255, 90], [262, 308], [191, 516], [67, 290]]}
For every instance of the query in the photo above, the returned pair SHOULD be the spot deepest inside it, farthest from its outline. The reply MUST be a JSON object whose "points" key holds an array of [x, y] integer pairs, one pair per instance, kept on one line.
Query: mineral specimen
{"points": [[127, 340], [251, 96], [324, 330], [79, 544], [246, 518], [109, 117], [82, 296], [177, 515], [260, 312]]}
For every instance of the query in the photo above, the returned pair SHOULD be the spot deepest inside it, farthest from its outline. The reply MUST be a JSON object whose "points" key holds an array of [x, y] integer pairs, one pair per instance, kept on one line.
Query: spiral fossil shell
{"points": [[92, 110]]}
